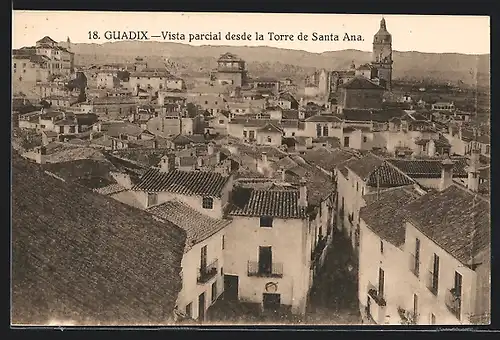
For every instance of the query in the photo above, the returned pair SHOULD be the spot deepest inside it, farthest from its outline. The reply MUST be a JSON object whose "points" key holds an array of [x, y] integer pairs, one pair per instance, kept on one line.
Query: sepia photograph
{"points": [[187, 169]]}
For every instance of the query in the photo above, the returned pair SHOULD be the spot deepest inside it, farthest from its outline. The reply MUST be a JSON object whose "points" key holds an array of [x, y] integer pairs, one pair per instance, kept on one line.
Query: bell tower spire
{"points": [[382, 55]]}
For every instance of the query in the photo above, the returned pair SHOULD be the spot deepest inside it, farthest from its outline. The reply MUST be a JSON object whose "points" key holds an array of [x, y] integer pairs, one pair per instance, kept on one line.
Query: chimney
{"points": [[217, 157], [200, 162], [177, 161], [460, 132], [166, 164], [91, 136], [446, 174], [432, 148], [264, 157], [155, 144], [210, 149], [473, 171], [283, 174], [303, 193], [41, 152]]}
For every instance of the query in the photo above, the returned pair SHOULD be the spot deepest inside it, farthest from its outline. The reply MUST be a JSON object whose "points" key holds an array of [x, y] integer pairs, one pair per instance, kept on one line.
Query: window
{"points": [[380, 282], [487, 149], [61, 129], [417, 256], [223, 241], [215, 102], [245, 134], [293, 134], [14, 65], [365, 139], [221, 271], [206, 101], [318, 130], [24, 71], [221, 121], [269, 140], [214, 291], [381, 247], [266, 222], [435, 275], [152, 199], [325, 131], [415, 306], [208, 203], [458, 285], [357, 186], [346, 142], [189, 309]]}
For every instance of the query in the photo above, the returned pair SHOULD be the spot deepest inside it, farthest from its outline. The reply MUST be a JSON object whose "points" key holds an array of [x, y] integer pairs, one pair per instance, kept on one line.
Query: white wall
{"points": [[243, 238], [428, 302], [191, 289]]}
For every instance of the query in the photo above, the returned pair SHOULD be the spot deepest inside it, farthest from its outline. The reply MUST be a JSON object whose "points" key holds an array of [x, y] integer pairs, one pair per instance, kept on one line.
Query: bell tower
{"points": [[382, 55]]}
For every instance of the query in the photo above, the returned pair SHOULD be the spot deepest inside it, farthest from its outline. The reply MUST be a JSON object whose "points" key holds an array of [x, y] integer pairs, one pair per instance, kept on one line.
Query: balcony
{"points": [[414, 265], [207, 273], [453, 302], [374, 294], [432, 282], [254, 269]]}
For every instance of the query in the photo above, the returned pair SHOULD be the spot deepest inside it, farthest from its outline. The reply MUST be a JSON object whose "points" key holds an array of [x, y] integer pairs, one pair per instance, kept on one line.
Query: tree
{"points": [[192, 110], [45, 104]]}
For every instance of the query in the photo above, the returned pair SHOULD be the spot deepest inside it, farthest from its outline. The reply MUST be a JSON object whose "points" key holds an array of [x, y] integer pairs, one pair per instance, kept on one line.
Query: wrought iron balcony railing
{"points": [[375, 295], [257, 269], [207, 273], [453, 302]]}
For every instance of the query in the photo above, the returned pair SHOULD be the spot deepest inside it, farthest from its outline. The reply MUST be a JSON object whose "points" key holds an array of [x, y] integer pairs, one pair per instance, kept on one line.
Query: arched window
{"points": [[269, 139]]}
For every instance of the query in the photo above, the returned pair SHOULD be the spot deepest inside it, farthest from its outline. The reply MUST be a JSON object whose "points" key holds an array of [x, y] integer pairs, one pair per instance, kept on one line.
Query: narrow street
{"points": [[334, 295]]}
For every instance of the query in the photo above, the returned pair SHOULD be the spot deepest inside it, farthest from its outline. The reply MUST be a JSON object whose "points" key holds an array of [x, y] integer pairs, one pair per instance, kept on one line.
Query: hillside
{"points": [[198, 60]]}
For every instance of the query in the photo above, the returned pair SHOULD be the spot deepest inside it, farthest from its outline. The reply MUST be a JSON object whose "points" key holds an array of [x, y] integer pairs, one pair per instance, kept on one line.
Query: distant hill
{"points": [[199, 60]]}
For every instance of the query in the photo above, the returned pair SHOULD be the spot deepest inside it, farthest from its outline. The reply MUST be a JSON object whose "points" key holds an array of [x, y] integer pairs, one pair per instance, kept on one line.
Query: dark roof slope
{"points": [[273, 203], [201, 183], [428, 168], [198, 226], [85, 258], [384, 213], [456, 219], [363, 83]]}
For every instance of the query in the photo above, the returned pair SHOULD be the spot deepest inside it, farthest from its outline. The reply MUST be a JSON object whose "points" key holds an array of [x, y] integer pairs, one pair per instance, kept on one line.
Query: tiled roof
{"points": [[201, 183], [386, 176], [273, 203], [46, 40], [384, 213], [363, 167], [290, 114], [58, 152], [115, 129], [86, 258], [383, 115], [110, 189], [270, 128], [361, 83], [323, 118], [455, 219], [326, 159], [428, 168], [198, 226], [82, 169], [184, 140]]}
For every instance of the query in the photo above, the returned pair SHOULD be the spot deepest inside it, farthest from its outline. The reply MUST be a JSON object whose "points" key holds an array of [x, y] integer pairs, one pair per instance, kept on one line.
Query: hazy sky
{"points": [[460, 34]]}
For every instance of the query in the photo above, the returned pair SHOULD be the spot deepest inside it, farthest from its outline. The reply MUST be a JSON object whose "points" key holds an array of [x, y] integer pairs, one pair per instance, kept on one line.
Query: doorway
{"points": [[201, 307], [271, 302], [231, 287]]}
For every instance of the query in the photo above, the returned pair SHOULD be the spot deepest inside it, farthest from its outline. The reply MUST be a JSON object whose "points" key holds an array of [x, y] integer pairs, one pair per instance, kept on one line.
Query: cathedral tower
{"points": [[382, 55]]}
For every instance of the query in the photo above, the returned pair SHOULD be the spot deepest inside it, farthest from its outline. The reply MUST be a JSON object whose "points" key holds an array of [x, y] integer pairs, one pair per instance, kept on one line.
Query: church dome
{"points": [[382, 36]]}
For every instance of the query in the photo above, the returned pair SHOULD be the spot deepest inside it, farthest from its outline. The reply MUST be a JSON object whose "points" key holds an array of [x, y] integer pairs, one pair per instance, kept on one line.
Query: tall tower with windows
{"points": [[382, 55]]}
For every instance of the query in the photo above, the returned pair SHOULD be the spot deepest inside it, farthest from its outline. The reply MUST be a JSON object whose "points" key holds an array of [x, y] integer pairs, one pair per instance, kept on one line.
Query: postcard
{"points": [[204, 169]]}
